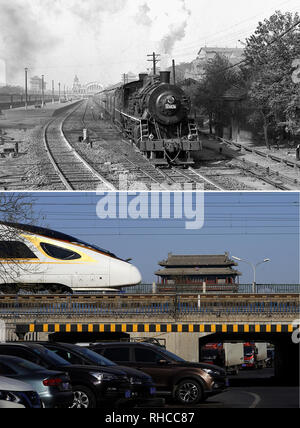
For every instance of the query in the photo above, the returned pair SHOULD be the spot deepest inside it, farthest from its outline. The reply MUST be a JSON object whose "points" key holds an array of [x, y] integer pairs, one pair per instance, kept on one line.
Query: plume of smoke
{"points": [[22, 37], [142, 17], [176, 33], [176, 29], [92, 11], [174, 15]]}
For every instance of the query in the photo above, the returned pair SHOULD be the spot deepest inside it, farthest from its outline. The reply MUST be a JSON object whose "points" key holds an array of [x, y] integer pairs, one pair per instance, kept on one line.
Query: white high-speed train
{"points": [[40, 260]]}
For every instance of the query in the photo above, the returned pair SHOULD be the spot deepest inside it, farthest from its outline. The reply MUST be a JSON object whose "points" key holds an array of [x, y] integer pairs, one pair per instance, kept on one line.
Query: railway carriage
{"points": [[155, 115], [42, 260]]}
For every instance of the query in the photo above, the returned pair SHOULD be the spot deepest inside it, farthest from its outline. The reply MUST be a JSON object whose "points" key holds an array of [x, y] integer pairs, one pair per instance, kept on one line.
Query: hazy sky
{"points": [[252, 226], [101, 39]]}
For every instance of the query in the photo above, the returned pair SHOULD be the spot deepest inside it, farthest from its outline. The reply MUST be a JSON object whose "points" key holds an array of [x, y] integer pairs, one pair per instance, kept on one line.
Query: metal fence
{"points": [[240, 288], [122, 306]]}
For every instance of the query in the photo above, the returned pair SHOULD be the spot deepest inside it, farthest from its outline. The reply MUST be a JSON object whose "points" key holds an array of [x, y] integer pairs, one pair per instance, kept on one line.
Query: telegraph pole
{"points": [[26, 88], [52, 91], [59, 92], [174, 71], [43, 92], [154, 59]]}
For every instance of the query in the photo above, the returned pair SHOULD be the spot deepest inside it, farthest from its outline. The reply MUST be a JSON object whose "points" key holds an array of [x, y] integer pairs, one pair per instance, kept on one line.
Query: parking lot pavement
{"points": [[254, 389]]}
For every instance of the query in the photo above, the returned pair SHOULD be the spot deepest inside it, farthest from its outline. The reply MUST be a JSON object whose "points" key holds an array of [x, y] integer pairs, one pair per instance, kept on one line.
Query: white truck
{"points": [[255, 355], [230, 356]]}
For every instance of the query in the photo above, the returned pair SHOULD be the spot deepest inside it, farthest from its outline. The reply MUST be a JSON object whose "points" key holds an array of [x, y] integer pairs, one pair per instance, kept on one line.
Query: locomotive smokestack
{"points": [[165, 76]]}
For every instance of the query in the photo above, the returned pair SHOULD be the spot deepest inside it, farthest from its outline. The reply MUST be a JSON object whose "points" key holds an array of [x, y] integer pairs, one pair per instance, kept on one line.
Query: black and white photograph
{"points": [[149, 207]]}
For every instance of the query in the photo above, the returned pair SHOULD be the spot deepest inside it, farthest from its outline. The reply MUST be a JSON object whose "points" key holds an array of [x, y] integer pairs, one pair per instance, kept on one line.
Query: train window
{"points": [[15, 250], [59, 253]]}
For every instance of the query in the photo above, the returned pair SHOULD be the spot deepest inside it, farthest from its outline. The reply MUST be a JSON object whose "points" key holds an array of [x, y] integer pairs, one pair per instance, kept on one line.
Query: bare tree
{"points": [[15, 208]]}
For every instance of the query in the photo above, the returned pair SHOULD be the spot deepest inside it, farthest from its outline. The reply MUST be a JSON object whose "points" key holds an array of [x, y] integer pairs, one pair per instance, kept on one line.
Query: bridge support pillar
{"points": [[287, 361]]}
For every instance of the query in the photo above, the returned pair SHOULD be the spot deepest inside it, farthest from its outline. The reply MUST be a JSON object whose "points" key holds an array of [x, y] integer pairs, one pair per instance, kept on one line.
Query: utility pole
{"points": [[26, 88], [125, 78], [59, 92], [154, 59], [43, 92], [174, 71], [52, 91]]}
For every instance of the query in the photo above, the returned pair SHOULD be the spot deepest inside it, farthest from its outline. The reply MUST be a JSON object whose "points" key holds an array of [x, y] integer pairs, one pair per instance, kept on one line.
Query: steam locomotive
{"points": [[154, 114]]}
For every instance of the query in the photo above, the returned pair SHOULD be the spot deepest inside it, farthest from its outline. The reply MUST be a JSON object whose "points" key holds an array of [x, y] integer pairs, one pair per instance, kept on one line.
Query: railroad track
{"points": [[134, 162], [193, 179], [266, 174], [74, 172]]}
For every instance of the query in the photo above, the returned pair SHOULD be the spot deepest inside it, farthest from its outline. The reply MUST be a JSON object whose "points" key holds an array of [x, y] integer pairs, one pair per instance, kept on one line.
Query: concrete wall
{"points": [[184, 345]]}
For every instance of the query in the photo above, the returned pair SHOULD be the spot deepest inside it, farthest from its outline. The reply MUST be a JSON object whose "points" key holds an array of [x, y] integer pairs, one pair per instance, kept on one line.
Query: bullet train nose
{"points": [[136, 276], [122, 274]]}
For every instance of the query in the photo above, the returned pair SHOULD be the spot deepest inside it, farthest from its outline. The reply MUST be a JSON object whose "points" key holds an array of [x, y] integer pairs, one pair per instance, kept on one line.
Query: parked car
{"points": [[92, 385], [185, 382], [18, 395], [142, 387], [53, 387]]}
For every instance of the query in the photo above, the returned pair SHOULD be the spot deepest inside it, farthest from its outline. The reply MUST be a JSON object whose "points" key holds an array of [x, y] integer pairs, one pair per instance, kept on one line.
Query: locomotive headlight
{"points": [[151, 137], [171, 100], [190, 137]]}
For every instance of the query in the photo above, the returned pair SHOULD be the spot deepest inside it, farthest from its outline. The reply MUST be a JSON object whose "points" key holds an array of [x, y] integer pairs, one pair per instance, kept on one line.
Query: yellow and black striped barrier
{"points": [[155, 328]]}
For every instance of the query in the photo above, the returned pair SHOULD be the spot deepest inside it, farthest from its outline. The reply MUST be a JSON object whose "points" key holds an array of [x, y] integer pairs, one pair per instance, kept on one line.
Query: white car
{"points": [[17, 395]]}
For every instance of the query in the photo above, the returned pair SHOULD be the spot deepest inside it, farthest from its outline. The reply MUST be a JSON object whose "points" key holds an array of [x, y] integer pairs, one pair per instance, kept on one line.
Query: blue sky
{"points": [[252, 226]]}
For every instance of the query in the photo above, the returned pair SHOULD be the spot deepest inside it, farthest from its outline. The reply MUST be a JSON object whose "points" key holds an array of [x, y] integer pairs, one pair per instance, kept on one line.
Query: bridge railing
{"points": [[239, 288], [163, 305]]}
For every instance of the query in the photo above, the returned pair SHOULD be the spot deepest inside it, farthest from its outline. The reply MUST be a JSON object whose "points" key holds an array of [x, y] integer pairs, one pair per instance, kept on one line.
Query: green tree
{"points": [[219, 77], [269, 54]]}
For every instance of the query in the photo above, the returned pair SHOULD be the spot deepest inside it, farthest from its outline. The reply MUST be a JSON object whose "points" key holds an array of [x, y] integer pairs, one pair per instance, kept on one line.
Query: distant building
{"points": [[234, 56], [85, 89], [198, 269], [36, 84]]}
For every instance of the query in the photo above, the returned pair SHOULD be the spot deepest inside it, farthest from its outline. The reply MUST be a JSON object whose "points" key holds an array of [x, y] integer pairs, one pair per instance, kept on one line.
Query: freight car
{"points": [[154, 114]]}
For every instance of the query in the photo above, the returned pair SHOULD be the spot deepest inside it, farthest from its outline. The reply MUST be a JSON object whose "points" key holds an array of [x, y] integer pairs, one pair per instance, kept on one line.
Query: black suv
{"points": [[185, 382], [143, 390], [92, 385]]}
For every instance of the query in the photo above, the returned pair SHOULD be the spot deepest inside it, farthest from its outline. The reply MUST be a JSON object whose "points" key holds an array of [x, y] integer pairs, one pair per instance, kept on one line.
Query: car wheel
{"points": [[83, 398], [189, 392]]}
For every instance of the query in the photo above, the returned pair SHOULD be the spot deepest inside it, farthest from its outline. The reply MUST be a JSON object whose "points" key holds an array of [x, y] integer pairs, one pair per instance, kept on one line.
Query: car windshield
{"points": [[51, 357], [95, 358], [171, 355], [248, 350]]}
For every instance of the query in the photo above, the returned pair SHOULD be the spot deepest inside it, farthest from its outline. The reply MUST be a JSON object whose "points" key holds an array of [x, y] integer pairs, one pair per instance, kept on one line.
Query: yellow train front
{"points": [[155, 115]]}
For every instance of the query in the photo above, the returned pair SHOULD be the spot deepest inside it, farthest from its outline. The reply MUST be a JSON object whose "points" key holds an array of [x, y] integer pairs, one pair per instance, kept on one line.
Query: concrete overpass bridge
{"points": [[186, 322]]}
